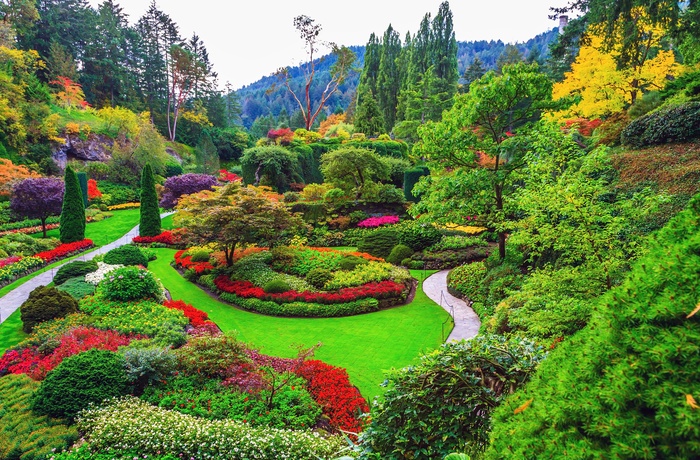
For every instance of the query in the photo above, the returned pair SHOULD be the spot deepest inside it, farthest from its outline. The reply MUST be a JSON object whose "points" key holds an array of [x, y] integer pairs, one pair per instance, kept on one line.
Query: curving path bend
{"points": [[13, 299], [467, 323]]}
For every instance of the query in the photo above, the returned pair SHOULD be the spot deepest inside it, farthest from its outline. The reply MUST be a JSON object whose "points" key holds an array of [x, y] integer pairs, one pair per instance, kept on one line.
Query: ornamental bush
{"points": [[318, 277], [419, 235], [277, 286], [45, 303], [149, 223], [349, 263], [80, 380], [126, 255], [77, 287], [399, 253], [130, 283], [199, 255], [73, 269], [673, 123], [185, 184], [72, 226], [379, 243]]}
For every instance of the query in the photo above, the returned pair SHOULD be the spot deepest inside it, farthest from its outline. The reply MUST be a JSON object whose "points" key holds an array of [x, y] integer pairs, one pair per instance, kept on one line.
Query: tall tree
{"points": [[475, 71], [370, 71], [388, 78], [341, 68], [368, 118], [72, 224], [38, 198], [16, 17], [149, 213], [443, 51]]}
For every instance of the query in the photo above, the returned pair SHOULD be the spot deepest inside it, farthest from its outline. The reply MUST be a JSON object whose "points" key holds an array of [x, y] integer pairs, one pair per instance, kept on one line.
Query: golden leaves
{"points": [[691, 402], [523, 407]]}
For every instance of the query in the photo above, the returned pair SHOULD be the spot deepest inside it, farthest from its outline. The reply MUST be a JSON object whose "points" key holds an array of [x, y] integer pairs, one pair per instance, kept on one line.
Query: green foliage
{"points": [[118, 193], [126, 255], [147, 366], [410, 178], [379, 243], [199, 255], [352, 168], [444, 403], [276, 286], [419, 235], [648, 102], [130, 283], [368, 118], [318, 277], [82, 180], [73, 269], [468, 281], [24, 245], [209, 356], [24, 435], [624, 386], [349, 263], [72, 226], [399, 253], [77, 287], [45, 303], [671, 123], [149, 222], [271, 165], [80, 380]]}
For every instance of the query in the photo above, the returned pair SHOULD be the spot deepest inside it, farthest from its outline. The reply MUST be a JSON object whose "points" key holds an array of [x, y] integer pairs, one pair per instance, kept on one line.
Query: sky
{"points": [[250, 39]]}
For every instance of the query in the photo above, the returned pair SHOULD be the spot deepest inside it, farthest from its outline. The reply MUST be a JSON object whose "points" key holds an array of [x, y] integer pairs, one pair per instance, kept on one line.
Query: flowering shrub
{"points": [[283, 136], [117, 207], [9, 260], [64, 250], [330, 386], [36, 364], [227, 176], [374, 222], [129, 424], [92, 190], [197, 317], [361, 274], [29, 230], [102, 270], [246, 289], [185, 184], [131, 283], [185, 262], [13, 271], [164, 238]]}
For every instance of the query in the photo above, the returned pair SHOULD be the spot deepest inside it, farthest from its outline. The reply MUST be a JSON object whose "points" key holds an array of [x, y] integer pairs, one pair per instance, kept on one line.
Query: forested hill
{"points": [[265, 98]]}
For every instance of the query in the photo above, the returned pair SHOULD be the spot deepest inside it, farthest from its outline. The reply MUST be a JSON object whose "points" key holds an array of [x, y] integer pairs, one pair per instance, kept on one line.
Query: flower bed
{"points": [[246, 289], [24, 266], [164, 238], [29, 230], [374, 222], [64, 250], [197, 317], [9, 260], [185, 262], [124, 206]]}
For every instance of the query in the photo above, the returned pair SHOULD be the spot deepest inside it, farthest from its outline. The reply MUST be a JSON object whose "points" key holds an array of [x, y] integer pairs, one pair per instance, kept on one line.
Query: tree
{"points": [[510, 55], [72, 224], [271, 165], [185, 184], [149, 223], [352, 168], [370, 71], [479, 138], [341, 68], [388, 79], [475, 71], [206, 155], [38, 198], [234, 215], [9, 173], [185, 72], [369, 119]]}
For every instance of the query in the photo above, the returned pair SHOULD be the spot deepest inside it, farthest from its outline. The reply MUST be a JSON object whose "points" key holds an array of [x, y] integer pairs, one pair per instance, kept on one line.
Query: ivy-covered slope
{"points": [[628, 385]]}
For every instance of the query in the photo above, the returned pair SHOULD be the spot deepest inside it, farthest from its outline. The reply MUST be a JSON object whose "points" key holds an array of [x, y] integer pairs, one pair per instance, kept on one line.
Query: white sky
{"points": [[251, 39]]}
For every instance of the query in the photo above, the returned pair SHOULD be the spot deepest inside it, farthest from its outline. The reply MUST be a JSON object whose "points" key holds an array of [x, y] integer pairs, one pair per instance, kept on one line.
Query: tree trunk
{"points": [[43, 225]]}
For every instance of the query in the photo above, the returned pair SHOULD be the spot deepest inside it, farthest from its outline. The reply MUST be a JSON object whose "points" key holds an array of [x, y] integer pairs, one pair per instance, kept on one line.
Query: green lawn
{"points": [[365, 345], [166, 223]]}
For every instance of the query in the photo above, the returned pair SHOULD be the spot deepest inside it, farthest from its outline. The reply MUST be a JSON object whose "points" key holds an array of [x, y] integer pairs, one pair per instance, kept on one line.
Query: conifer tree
{"points": [[369, 119], [72, 224], [149, 223], [388, 78]]}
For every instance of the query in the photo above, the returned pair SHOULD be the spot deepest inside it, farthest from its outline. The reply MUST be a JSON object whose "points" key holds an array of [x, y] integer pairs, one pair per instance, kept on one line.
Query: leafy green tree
{"points": [[352, 168], [370, 71], [388, 78], [149, 223], [368, 118], [511, 55], [72, 223], [234, 215], [206, 155], [479, 138], [271, 165]]}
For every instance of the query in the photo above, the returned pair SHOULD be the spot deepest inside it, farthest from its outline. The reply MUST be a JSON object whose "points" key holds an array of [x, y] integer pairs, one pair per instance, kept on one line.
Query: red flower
{"points": [[64, 250], [197, 317], [164, 238]]}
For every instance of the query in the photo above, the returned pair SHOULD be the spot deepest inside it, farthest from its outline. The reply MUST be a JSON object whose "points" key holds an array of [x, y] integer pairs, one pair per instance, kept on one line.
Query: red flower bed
{"points": [[330, 387], [199, 268], [36, 365], [246, 289], [164, 238], [64, 250], [9, 261], [197, 317], [226, 176]]}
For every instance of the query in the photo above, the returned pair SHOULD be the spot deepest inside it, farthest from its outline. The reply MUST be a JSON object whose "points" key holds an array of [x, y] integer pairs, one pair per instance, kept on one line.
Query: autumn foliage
{"points": [[10, 173]]}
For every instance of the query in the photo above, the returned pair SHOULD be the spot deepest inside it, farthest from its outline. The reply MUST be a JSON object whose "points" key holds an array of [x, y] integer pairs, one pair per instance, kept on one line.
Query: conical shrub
{"points": [[72, 224], [149, 224]]}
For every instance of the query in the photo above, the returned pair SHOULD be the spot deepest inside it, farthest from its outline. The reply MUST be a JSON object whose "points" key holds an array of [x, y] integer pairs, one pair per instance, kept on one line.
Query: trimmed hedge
{"points": [[673, 123], [410, 178], [126, 255], [379, 243], [45, 303], [74, 269]]}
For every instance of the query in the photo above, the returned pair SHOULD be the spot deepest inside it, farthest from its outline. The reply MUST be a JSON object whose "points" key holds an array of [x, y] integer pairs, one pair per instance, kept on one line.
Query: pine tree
{"points": [[369, 119], [72, 224], [149, 223], [475, 71], [388, 79]]}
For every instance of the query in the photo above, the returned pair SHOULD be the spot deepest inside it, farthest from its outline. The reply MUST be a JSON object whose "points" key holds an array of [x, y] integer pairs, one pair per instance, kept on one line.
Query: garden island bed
{"points": [[299, 281]]}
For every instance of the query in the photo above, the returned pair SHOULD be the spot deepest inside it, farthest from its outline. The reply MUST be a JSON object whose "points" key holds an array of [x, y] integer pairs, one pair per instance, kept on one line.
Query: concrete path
{"points": [[466, 322], [13, 299]]}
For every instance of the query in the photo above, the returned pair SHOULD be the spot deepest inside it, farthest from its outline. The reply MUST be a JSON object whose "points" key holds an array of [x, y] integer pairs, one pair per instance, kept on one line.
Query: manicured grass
{"points": [[11, 332], [108, 230], [365, 345]]}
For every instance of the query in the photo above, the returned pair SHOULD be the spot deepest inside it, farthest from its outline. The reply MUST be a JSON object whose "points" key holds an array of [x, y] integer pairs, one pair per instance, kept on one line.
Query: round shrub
{"points": [[419, 236], [349, 263], [379, 243], [318, 277], [45, 303], [291, 197], [126, 255], [130, 283], [199, 255], [399, 253], [276, 287], [74, 269], [80, 380], [77, 287], [672, 123]]}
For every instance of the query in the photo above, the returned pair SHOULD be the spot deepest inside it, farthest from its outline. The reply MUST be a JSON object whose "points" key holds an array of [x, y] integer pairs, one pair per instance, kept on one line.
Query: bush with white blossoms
{"points": [[129, 424], [102, 270]]}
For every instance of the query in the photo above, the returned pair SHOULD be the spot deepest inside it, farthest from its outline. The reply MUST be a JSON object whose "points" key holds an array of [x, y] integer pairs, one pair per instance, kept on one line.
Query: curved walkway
{"points": [[13, 299], [467, 324]]}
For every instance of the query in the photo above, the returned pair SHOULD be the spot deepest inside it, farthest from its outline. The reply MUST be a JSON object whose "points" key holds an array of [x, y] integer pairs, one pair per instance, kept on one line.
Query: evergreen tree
{"points": [[388, 78], [82, 181], [510, 55], [72, 223], [368, 118], [149, 223], [475, 71], [207, 157], [370, 71]]}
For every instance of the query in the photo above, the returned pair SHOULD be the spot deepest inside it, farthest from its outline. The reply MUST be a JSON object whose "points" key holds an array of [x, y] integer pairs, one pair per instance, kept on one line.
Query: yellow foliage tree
{"points": [[332, 120], [604, 89], [11, 173]]}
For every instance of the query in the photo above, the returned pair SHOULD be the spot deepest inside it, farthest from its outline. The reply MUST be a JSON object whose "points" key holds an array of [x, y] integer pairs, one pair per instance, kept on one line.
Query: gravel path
{"points": [[466, 322], [13, 299]]}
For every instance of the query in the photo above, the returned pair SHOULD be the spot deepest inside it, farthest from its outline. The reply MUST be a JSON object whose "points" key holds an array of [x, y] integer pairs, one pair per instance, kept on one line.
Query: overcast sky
{"points": [[250, 39]]}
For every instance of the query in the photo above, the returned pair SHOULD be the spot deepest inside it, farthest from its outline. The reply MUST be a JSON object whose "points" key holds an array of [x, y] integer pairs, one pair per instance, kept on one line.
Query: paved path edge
{"points": [[467, 323]]}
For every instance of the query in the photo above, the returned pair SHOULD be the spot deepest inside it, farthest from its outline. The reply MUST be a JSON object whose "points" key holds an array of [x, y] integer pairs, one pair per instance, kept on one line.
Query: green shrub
{"points": [[349, 263], [77, 287], [410, 178], [126, 255], [318, 277], [87, 378], [145, 366], [379, 243], [399, 253], [72, 226], [74, 269], [45, 303], [303, 309], [24, 435], [149, 212], [130, 283], [276, 286], [199, 255], [148, 253], [419, 235], [468, 281], [291, 197], [673, 123], [209, 356]]}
